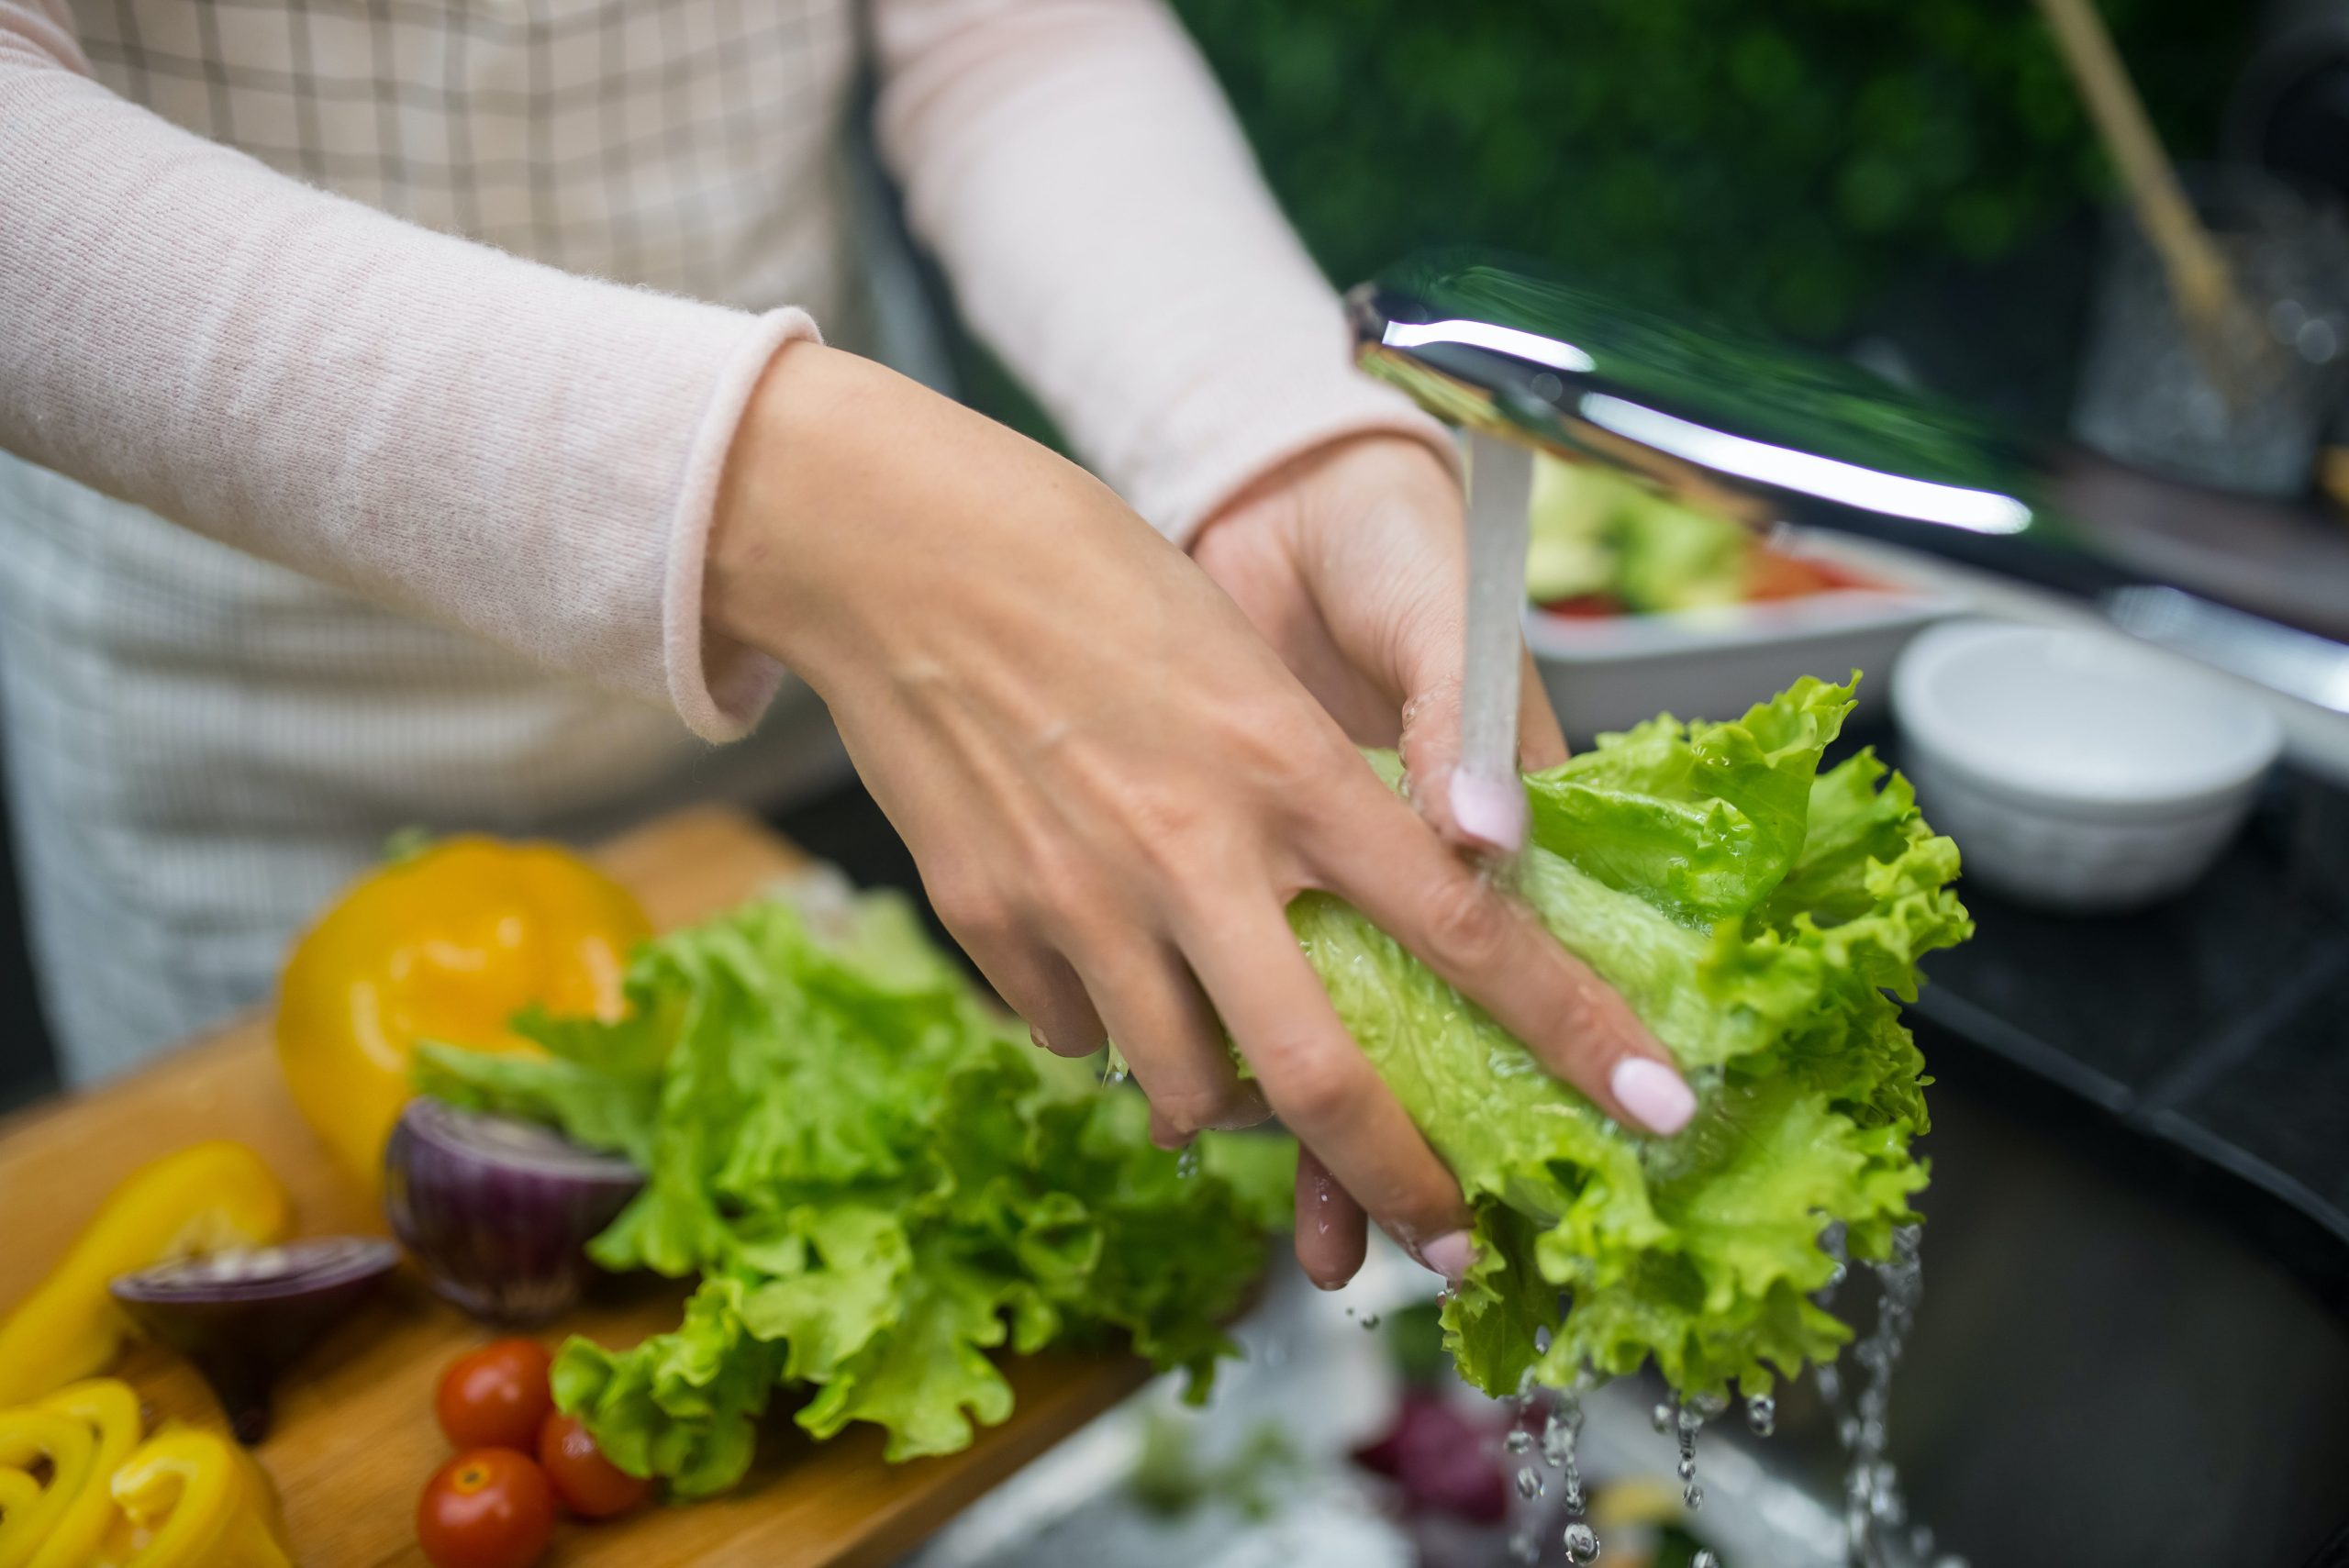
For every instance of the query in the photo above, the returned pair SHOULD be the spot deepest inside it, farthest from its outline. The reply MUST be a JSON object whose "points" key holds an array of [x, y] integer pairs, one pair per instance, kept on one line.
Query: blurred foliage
{"points": [[1782, 164]]}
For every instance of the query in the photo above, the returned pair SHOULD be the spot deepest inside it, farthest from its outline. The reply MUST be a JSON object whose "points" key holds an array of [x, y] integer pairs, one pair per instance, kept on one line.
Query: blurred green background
{"points": [[1820, 168]]}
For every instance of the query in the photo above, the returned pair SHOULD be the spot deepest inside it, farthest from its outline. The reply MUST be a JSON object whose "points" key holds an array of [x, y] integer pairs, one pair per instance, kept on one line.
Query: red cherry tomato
{"points": [[495, 1397], [489, 1508], [589, 1484]]}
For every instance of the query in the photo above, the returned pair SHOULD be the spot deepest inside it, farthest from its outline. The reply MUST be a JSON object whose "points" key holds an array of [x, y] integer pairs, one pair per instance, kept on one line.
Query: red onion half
{"points": [[499, 1211], [243, 1316]]}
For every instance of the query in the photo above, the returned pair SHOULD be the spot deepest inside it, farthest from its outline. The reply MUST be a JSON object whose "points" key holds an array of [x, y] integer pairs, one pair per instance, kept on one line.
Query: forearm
{"points": [[531, 455], [1076, 167]]}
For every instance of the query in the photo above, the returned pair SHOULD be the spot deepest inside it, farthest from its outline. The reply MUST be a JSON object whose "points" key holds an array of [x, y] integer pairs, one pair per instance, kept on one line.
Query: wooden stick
{"points": [[2199, 278]]}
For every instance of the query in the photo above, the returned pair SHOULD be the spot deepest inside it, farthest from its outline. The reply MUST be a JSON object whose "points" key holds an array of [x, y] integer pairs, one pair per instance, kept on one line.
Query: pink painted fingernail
{"points": [[1491, 811], [1449, 1255], [1653, 1093]]}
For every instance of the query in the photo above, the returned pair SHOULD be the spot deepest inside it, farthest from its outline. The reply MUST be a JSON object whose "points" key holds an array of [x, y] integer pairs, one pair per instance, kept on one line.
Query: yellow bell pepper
{"points": [[193, 1499], [109, 1410], [204, 1198], [57, 1455], [447, 943], [79, 1490]]}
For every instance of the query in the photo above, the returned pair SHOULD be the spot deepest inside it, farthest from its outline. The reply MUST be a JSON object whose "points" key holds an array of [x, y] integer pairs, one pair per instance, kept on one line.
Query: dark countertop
{"points": [[2216, 1026]]}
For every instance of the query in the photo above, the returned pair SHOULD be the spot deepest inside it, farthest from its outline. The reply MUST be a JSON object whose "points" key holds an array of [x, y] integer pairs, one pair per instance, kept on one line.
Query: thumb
{"points": [[1481, 817]]}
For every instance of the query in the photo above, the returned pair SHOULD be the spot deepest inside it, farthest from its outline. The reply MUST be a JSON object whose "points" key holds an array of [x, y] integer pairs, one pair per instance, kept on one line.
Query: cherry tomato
{"points": [[489, 1508], [589, 1484], [495, 1397]]}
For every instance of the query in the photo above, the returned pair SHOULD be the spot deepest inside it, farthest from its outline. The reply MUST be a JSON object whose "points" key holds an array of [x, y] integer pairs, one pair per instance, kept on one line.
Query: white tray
{"points": [[1611, 671]]}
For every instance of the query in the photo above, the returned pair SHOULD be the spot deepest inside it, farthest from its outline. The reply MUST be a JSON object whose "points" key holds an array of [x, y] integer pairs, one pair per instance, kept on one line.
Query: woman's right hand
{"points": [[1112, 786]]}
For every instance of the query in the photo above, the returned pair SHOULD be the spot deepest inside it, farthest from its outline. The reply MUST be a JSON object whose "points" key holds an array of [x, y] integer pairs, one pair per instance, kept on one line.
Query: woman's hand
{"points": [[1351, 562], [1111, 784]]}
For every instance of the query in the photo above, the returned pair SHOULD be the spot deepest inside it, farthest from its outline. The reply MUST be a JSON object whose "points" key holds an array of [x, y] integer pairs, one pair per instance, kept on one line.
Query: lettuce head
{"points": [[1761, 916], [879, 1181]]}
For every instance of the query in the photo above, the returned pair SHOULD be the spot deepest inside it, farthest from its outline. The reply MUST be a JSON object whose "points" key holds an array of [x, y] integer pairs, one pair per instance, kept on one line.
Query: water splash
{"points": [[1690, 1421], [1874, 1507]]}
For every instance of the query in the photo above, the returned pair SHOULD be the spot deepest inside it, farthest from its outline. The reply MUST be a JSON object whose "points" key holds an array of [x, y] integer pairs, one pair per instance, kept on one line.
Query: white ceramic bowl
{"points": [[2076, 769]]}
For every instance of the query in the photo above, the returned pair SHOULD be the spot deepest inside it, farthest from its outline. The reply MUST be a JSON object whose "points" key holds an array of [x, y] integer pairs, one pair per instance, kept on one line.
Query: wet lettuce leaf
{"points": [[1760, 916], [879, 1181]]}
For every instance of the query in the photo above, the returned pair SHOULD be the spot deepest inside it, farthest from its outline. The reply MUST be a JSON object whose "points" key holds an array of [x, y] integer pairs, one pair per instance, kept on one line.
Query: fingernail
{"points": [[1491, 811], [1653, 1093], [1036, 1037], [1449, 1255]]}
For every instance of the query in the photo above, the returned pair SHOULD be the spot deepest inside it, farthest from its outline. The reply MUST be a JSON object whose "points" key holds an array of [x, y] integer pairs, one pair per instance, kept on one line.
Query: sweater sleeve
{"points": [[526, 454], [1077, 171]]}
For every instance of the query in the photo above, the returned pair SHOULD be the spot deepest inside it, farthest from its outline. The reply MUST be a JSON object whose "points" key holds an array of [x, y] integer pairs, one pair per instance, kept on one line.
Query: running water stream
{"points": [[1876, 1515]]}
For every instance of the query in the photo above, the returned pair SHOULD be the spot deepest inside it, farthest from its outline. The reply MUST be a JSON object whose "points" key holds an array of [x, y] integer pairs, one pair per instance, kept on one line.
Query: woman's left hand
{"points": [[1351, 562]]}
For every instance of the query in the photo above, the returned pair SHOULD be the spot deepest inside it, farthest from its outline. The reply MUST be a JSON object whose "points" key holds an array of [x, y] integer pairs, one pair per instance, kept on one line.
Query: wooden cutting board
{"points": [[355, 1441]]}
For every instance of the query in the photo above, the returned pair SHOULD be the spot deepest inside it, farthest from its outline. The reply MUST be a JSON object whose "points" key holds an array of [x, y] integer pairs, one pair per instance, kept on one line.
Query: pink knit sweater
{"points": [[534, 455]]}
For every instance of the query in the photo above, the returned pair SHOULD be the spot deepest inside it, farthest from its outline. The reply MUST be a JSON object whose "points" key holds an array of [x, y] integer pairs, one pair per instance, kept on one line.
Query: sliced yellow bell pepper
{"points": [[193, 1499], [59, 1455], [447, 943], [109, 1410], [204, 1198], [79, 1490]]}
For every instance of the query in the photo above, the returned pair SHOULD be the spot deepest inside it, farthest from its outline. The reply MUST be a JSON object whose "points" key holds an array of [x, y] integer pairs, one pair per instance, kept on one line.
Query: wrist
{"points": [[762, 585], [1358, 462]]}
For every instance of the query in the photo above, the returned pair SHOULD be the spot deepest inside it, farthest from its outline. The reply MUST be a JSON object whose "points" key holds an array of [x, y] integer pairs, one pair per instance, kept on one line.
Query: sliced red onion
{"points": [[243, 1316], [498, 1211]]}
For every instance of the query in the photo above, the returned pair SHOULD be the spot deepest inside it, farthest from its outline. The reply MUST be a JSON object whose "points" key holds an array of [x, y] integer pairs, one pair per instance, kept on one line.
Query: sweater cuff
{"points": [[719, 686], [1252, 425]]}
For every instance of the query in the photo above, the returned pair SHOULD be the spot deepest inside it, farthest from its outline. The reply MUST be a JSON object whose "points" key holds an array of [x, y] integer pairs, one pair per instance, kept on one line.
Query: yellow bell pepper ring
{"points": [[109, 1410], [445, 943], [204, 1198], [193, 1499], [57, 1455]]}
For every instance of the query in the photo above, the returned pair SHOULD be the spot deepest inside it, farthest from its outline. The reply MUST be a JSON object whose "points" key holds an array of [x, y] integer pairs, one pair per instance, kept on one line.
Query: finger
{"points": [[1332, 1232], [1540, 743], [1492, 949], [1171, 1043], [1317, 1079], [1034, 982]]}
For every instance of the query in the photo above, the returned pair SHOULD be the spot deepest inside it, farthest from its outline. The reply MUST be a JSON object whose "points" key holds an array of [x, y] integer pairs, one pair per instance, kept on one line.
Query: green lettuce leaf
{"points": [[879, 1181], [1759, 915]]}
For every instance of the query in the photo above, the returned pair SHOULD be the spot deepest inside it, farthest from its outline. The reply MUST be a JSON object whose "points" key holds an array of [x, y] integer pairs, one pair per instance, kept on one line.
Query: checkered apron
{"points": [[201, 746]]}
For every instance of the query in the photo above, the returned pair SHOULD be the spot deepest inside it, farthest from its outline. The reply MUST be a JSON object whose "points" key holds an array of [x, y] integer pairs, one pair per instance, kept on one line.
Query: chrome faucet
{"points": [[1764, 432]]}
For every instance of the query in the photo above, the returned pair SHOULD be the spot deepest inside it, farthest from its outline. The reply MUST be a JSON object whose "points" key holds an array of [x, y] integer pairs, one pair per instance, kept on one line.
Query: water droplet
{"points": [[1661, 1418], [1704, 1559], [1762, 1415], [1370, 1319], [1523, 1547], [1519, 1440], [1694, 1495], [1529, 1484], [1581, 1542], [1829, 1382], [1687, 1467], [1187, 1163]]}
